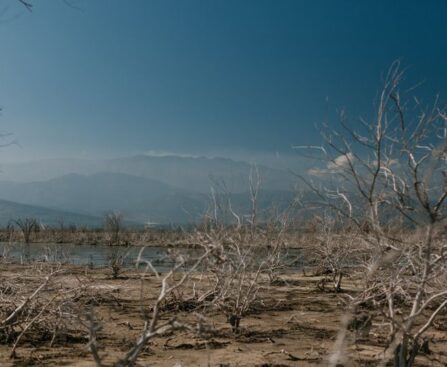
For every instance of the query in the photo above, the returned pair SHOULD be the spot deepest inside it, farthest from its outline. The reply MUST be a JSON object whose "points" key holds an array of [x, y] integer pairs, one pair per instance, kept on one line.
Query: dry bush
{"points": [[154, 313], [247, 253], [116, 260], [239, 272], [337, 254], [39, 307]]}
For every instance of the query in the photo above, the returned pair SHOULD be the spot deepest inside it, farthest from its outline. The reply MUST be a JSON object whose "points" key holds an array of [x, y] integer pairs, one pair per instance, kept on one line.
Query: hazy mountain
{"points": [[139, 199], [189, 173], [45, 169], [199, 173], [12, 211], [167, 189]]}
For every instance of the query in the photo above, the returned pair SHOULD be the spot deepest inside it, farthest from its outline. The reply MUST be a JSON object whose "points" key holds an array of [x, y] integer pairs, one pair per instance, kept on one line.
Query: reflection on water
{"points": [[162, 258]]}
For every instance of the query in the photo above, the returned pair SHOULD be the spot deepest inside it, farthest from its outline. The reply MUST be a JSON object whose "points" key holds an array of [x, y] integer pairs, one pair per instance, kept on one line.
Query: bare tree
{"points": [[116, 260], [337, 252], [247, 252], [27, 227], [61, 229], [27, 4], [393, 166], [113, 223], [154, 325], [239, 271]]}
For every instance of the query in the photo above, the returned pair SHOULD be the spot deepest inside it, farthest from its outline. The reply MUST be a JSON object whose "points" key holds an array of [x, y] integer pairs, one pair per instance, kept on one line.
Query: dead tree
{"points": [[393, 165], [337, 252], [113, 223], [153, 325], [239, 272], [27, 4], [116, 260], [27, 227], [247, 254]]}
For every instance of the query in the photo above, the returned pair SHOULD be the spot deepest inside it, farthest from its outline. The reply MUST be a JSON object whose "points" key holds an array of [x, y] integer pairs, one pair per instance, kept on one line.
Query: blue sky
{"points": [[202, 77]]}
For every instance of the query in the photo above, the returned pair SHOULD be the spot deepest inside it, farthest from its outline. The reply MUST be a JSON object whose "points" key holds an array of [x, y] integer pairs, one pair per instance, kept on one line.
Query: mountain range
{"points": [[144, 189], [196, 174]]}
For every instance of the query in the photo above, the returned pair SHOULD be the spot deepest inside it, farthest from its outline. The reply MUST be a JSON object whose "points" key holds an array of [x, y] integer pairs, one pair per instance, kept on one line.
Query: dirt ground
{"points": [[295, 325]]}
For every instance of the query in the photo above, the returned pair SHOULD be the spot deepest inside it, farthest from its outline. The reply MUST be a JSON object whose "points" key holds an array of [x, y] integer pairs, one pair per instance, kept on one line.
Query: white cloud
{"points": [[157, 153], [337, 164], [318, 172], [340, 162]]}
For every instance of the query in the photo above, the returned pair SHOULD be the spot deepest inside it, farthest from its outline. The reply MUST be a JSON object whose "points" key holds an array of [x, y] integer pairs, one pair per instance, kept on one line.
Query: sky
{"points": [[109, 78]]}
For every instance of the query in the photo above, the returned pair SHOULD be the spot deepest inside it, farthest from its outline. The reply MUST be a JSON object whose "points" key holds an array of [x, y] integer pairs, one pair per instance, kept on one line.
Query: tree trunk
{"points": [[403, 357], [337, 281]]}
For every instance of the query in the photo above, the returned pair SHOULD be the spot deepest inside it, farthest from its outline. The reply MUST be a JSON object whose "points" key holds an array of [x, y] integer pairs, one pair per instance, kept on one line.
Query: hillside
{"points": [[10, 211]]}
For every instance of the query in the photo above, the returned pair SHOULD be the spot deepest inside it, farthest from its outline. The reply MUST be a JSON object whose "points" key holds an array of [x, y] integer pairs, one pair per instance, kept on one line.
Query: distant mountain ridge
{"points": [[190, 173], [10, 211], [161, 190], [139, 199]]}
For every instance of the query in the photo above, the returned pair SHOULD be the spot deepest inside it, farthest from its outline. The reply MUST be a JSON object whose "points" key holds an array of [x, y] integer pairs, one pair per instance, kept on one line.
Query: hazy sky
{"points": [[120, 77]]}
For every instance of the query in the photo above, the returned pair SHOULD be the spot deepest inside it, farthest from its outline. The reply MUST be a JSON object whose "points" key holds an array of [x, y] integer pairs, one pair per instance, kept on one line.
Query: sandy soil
{"points": [[295, 326]]}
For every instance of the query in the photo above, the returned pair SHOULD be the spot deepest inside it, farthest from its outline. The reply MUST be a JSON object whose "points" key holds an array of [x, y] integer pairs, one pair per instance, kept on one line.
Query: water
{"points": [[162, 258], [92, 255]]}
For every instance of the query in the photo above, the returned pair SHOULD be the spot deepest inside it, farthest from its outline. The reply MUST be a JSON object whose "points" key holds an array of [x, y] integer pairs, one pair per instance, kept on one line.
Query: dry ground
{"points": [[295, 326]]}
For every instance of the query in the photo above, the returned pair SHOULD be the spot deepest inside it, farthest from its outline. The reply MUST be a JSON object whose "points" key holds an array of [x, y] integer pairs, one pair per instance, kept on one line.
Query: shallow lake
{"points": [[162, 258]]}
